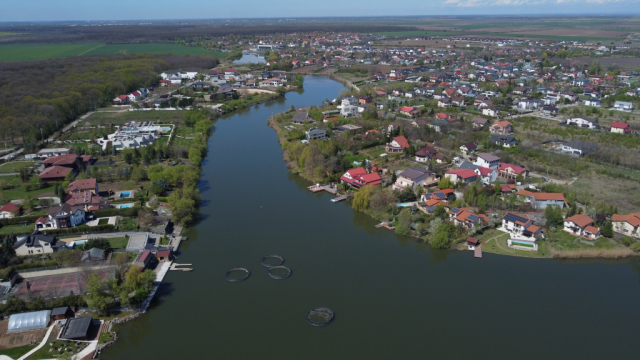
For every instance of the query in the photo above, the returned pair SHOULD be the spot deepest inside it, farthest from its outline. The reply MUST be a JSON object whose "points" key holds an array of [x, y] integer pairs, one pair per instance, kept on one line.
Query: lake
{"points": [[250, 58], [394, 298]]}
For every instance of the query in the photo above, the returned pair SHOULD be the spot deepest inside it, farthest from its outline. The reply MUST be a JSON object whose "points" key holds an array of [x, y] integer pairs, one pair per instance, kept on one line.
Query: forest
{"points": [[39, 98]]}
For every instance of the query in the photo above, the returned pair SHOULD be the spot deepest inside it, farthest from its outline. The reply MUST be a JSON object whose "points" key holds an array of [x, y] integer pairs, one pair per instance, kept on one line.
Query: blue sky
{"points": [[62, 10]]}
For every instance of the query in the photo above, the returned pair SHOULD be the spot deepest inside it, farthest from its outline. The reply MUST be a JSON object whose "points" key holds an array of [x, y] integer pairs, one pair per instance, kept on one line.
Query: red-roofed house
{"points": [[486, 175], [409, 111], [83, 185], [54, 173], [9, 211], [501, 128], [582, 225], [510, 172], [397, 145], [620, 127], [145, 260], [359, 177], [70, 160], [446, 117], [464, 175], [542, 200], [627, 224]]}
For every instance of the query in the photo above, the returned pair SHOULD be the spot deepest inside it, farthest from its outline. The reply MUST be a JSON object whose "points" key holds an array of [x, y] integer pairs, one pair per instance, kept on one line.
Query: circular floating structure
{"points": [[279, 272], [270, 261], [320, 316], [229, 274]]}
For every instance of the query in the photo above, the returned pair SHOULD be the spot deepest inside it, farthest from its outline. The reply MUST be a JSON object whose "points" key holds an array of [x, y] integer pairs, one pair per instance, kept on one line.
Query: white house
{"points": [[623, 105], [349, 110], [134, 96], [487, 160], [582, 225], [523, 234], [627, 224], [593, 102], [62, 217], [583, 122], [491, 111]]}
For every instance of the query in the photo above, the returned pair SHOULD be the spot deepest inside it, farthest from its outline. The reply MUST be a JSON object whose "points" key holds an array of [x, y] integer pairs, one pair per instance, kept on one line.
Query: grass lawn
{"points": [[105, 337], [46, 351], [127, 224], [153, 49], [359, 158], [11, 180], [14, 166], [375, 152], [118, 243], [14, 194], [8, 229], [165, 241], [16, 352], [104, 221], [498, 245]]}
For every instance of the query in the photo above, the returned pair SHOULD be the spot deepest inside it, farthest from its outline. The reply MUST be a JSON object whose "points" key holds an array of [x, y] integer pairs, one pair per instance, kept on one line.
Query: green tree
{"points": [[103, 244], [607, 229], [97, 298], [362, 198]]}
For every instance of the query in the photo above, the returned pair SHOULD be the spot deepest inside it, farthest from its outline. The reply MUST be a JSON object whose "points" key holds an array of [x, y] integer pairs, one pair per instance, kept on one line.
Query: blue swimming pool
{"points": [[403, 204], [124, 206], [125, 194], [165, 129]]}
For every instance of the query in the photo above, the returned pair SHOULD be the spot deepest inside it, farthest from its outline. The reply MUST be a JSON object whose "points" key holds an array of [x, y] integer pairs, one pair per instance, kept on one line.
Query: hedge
{"points": [[70, 231], [126, 212], [6, 272], [19, 220]]}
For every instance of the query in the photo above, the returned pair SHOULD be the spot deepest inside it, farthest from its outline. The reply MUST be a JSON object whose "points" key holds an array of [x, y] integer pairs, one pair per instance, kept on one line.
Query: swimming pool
{"points": [[125, 194], [165, 129], [125, 206], [404, 204]]}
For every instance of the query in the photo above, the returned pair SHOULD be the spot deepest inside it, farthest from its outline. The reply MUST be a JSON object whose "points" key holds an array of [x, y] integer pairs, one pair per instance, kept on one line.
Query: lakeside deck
{"points": [[328, 188], [342, 197]]}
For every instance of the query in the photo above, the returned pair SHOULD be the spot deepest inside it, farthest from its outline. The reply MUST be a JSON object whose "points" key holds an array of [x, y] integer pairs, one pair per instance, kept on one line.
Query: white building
{"points": [[583, 122], [488, 161]]}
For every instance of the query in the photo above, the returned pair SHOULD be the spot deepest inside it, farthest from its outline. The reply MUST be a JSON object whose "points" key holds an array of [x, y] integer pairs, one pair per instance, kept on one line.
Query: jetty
{"points": [[174, 267], [342, 197], [477, 252], [386, 225], [328, 188]]}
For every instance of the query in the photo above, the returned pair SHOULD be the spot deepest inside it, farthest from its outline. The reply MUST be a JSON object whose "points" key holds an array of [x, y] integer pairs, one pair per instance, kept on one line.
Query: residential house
{"points": [[487, 160], [523, 234], [62, 217], [593, 102], [581, 225], [501, 128], [429, 206], [549, 110], [461, 175], [438, 125], [47, 153], [349, 110], [468, 148], [301, 117], [511, 172], [83, 185], [542, 200], [415, 176], [623, 106], [465, 217], [423, 155], [146, 260], [583, 122], [503, 140], [365, 99], [620, 127], [9, 210], [359, 177], [37, 243], [54, 173], [491, 111], [627, 224], [397, 145], [409, 111], [72, 161], [578, 147], [87, 199], [93, 255], [444, 102], [316, 134], [442, 195], [479, 122]]}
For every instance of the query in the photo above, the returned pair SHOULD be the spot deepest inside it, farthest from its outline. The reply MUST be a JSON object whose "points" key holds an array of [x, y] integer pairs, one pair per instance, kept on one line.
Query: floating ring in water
{"points": [[264, 258], [246, 271], [279, 277], [320, 316]]}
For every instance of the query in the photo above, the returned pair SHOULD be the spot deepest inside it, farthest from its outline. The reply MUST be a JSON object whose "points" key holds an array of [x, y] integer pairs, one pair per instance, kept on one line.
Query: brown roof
{"points": [[55, 172], [548, 196], [581, 220], [61, 159], [85, 184], [631, 219], [472, 240]]}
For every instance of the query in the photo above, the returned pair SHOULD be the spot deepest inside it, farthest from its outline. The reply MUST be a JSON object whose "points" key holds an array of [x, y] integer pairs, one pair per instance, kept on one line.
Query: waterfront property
{"points": [[581, 225], [523, 234], [414, 177]]}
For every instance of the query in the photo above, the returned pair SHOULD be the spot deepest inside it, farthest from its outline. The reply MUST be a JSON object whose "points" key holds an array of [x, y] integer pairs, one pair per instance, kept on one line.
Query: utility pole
{"points": [[41, 134]]}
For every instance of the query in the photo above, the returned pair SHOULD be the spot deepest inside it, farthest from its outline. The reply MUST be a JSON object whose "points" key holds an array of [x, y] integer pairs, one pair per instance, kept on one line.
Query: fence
{"points": [[44, 268]]}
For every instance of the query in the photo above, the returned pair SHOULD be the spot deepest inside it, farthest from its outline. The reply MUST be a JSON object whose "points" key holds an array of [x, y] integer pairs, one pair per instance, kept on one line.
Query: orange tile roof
{"points": [[548, 196], [581, 220], [592, 229], [632, 219]]}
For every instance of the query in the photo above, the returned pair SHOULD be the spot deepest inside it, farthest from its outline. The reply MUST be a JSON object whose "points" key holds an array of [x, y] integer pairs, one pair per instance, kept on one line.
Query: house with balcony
{"points": [[397, 145], [542, 200], [359, 177], [581, 225], [627, 224], [487, 160], [37, 243], [62, 217], [414, 177], [510, 172], [442, 195], [423, 155], [461, 175], [466, 218], [523, 233], [501, 128]]}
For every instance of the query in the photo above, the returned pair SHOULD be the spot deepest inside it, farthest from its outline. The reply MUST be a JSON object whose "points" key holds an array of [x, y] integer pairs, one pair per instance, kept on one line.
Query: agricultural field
{"points": [[34, 52], [14, 166]]}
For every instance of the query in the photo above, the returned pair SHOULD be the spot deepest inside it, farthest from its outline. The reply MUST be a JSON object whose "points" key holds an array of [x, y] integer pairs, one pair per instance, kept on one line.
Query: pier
{"points": [[174, 267], [317, 187], [342, 197], [386, 226]]}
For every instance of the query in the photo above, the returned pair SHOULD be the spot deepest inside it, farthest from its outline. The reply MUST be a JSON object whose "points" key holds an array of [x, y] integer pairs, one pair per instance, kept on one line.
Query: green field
{"points": [[14, 166], [17, 351], [33, 52], [153, 49]]}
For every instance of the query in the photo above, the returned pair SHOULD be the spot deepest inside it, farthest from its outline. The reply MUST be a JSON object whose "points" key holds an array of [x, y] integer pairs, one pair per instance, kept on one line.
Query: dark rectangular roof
{"points": [[59, 311], [76, 328], [513, 218]]}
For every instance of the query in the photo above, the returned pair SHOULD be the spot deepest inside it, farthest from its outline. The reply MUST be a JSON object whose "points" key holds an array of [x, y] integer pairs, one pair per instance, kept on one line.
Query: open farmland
{"points": [[152, 49]]}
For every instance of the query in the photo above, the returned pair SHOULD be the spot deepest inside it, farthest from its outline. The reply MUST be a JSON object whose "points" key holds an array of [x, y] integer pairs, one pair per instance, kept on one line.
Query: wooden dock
{"points": [[317, 187], [386, 226], [477, 252], [342, 197]]}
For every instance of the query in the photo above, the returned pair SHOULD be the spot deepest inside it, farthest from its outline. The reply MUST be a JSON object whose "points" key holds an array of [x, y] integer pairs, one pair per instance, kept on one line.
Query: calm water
{"points": [[393, 298], [252, 58]]}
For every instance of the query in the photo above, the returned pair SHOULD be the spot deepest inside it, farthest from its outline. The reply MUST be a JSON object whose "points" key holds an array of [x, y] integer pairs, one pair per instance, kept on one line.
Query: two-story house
{"points": [[542, 200], [397, 145], [316, 134], [37, 243], [359, 177], [461, 175], [627, 224], [487, 160], [415, 176], [501, 128], [523, 233], [581, 225], [61, 217]]}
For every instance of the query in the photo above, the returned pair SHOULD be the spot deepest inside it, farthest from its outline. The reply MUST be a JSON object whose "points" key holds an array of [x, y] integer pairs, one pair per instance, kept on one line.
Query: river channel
{"points": [[393, 298]]}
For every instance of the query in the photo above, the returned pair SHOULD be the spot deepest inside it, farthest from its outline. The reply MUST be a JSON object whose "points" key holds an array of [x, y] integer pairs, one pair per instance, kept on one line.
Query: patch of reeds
{"points": [[593, 253]]}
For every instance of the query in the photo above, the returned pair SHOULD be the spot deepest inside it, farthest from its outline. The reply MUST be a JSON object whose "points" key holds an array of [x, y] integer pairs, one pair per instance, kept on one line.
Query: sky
{"points": [[84, 10]]}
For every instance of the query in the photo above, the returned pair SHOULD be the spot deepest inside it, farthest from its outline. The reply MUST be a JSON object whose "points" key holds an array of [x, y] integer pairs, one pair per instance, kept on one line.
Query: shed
{"points": [[76, 328], [61, 313], [29, 321]]}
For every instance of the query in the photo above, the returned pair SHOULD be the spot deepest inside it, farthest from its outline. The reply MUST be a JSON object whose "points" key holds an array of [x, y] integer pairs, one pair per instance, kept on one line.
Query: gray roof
{"points": [[414, 173], [301, 116], [33, 240], [468, 165], [59, 311], [505, 139], [76, 328], [488, 157]]}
